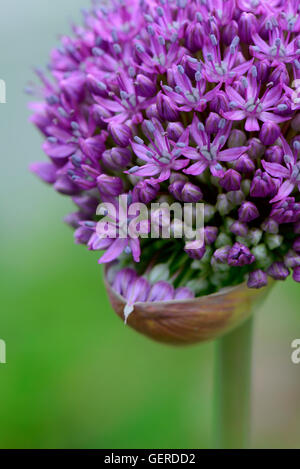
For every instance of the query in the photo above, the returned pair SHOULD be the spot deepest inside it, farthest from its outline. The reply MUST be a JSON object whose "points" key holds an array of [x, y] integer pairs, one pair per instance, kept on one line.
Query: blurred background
{"points": [[75, 376]]}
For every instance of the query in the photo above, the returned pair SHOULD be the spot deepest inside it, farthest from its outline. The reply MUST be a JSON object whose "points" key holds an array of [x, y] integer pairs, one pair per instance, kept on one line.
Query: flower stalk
{"points": [[233, 388]]}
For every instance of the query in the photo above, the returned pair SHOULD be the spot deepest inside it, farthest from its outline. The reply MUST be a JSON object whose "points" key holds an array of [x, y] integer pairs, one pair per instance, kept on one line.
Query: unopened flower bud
{"points": [[239, 229], [296, 123], [262, 256], [212, 123], [145, 191], [254, 236], [262, 185], [231, 181], [230, 31], [273, 241], [221, 254], [210, 234], [237, 138], [244, 165], [235, 197], [121, 133], [257, 279], [145, 86], [270, 226], [263, 69], [116, 159], [151, 112], [292, 259], [248, 212], [185, 191], [269, 133], [159, 272], [209, 212], [194, 37], [109, 185], [278, 271], [175, 130], [193, 251], [245, 186], [274, 154], [219, 102], [223, 205], [296, 274], [166, 109], [256, 148], [247, 25], [239, 255], [296, 246], [82, 235], [222, 240]]}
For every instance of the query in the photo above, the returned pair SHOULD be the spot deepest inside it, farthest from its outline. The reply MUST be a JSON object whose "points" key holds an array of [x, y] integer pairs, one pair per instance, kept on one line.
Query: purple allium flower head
{"points": [[179, 102]]}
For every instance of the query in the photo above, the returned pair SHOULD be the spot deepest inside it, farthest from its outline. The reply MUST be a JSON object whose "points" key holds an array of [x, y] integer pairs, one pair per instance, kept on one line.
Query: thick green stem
{"points": [[233, 388]]}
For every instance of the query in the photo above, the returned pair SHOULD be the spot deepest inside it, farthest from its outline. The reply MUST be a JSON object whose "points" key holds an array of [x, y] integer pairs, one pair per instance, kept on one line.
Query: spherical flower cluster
{"points": [[188, 101]]}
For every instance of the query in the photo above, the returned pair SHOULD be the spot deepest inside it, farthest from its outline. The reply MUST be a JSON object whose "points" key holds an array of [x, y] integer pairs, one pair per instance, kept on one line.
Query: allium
{"points": [[179, 102]]}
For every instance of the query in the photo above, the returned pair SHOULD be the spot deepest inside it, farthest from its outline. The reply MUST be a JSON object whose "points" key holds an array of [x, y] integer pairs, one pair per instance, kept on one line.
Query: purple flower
{"points": [[187, 95], [279, 49], [289, 174], [286, 211], [248, 104], [209, 154], [161, 156], [188, 101], [225, 69]]}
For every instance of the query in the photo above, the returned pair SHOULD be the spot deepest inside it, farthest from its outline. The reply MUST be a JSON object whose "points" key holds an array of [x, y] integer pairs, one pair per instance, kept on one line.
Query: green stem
{"points": [[233, 388]]}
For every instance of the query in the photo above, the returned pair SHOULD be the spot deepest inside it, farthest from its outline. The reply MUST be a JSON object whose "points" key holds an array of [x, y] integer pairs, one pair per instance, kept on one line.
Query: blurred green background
{"points": [[75, 376]]}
